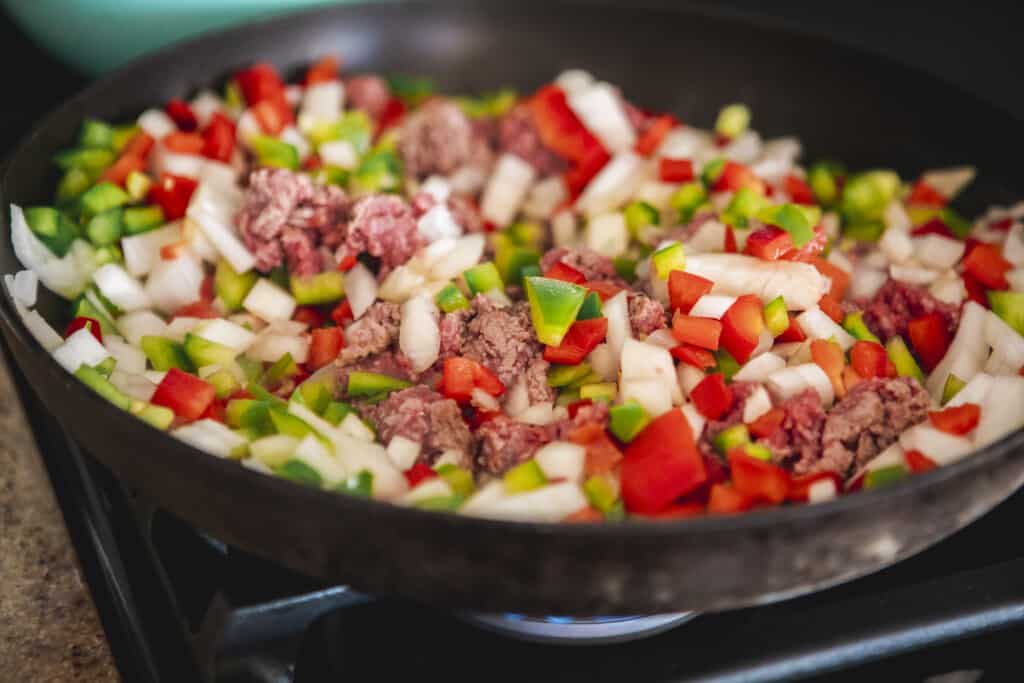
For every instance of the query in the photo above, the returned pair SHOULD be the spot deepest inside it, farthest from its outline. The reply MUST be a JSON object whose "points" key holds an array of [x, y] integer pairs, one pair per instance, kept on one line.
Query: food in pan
{"points": [[551, 307]]}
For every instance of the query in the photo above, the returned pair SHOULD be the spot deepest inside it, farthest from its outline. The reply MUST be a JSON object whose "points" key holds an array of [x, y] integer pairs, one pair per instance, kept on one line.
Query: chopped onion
{"points": [[211, 436], [434, 487], [156, 123], [912, 274], [225, 332], [67, 276], [468, 180], [81, 348], [1002, 411], [268, 348], [800, 284], [129, 358], [1013, 247], [949, 289], [403, 452], [600, 109], [164, 160], [269, 302], [293, 137], [517, 398], [777, 159], [138, 324], [840, 261], [551, 503], [607, 234], [573, 81], [817, 325], [949, 181], [353, 426], [684, 143], [563, 228], [120, 288], [689, 377], [662, 337], [745, 148], [966, 354], [174, 283], [612, 185], [400, 284], [437, 223], [712, 306], [204, 105], [213, 207], [315, 454], [757, 404], [155, 376], [274, 449], [936, 251], [896, 244], [136, 386], [896, 218], [419, 336], [941, 447], [23, 286], [40, 329], [656, 193], [180, 326], [360, 289], [322, 103], [142, 252], [788, 382], [616, 309], [339, 153], [562, 460], [546, 196], [467, 252], [866, 282], [758, 368], [1005, 341], [1016, 279], [604, 362], [643, 361], [709, 237], [652, 393], [437, 187], [542, 413], [696, 420], [506, 189]]}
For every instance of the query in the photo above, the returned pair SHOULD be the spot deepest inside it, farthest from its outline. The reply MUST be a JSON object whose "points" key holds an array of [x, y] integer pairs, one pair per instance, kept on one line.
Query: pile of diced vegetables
{"points": [[170, 321]]}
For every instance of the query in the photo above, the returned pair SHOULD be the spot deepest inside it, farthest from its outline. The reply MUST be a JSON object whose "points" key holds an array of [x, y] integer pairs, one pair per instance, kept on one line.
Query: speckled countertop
{"points": [[49, 629]]}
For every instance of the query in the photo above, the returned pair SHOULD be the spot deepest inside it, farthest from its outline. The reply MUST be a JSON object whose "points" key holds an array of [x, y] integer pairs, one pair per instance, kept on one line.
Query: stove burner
{"points": [[577, 631]]}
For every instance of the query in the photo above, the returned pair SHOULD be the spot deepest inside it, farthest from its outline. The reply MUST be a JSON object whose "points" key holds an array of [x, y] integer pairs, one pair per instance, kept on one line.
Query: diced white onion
{"points": [[689, 377], [138, 324], [156, 123], [120, 288], [866, 282], [939, 446], [788, 382], [213, 207], [662, 337], [683, 143], [573, 81], [40, 329], [563, 229], [273, 450], [612, 185], [600, 110], [436, 186], [745, 148], [936, 251], [419, 335], [649, 376], [268, 348], [466, 252], [966, 354], [758, 368], [656, 193], [949, 181], [81, 348], [438, 223], [800, 284], [817, 325], [204, 105], [896, 244], [180, 326], [136, 386], [269, 302], [24, 287], [322, 102], [506, 189], [163, 160], [210, 436], [562, 460], [174, 283], [757, 404], [712, 306], [542, 413], [360, 289], [66, 276], [709, 237], [912, 274], [129, 358], [339, 153], [550, 503], [353, 426], [821, 491], [896, 218], [840, 261], [545, 197], [1013, 246], [696, 420], [607, 234], [141, 252], [293, 137], [949, 289], [616, 309], [403, 452], [225, 332], [313, 453], [1002, 411], [434, 487], [604, 362]]}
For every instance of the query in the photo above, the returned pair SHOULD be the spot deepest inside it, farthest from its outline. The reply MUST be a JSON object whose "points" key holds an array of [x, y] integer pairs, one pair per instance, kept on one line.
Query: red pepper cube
{"points": [[918, 462], [675, 170], [602, 454], [419, 472], [711, 396], [798, 190], [91, 324], [182, 115], [702, 359], [839, 278], [558, 126], [800, 487], [685, 288], [725, 499], [829, 357], [741, 327], [652, 138], [764, 426], [172, 193], [957, 420], [793, 333], [460, 376], [661, 464], [869, 359], [758, 479], [923, 194], [930, 338], [185, 394], [986, 264], [734, 176], [584, 170], [273, 115], [219, 138], [259, 82], [768, 243], [583, 336], [565, 273], [702, 332], [324, 346], [324, 71]]}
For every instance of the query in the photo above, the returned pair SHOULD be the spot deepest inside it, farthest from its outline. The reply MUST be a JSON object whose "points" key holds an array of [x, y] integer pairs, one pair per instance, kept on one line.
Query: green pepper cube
{"points": [[960, 226], [90, 160], [139, 219], [370, 384], [864, 230], [731, 437], [459, 479], [884, 476], [525, 234], [106, 366], [246, 413], [122, 135], [712, 172], [336, 411], [510, 260], [104, 228], [599, 391], [564, 375], [83, 308], [287, 424], [299, 472], [252, 369], [96, 381], [745, 204], [733, 120], [72, 184], [322, 288], [96, 134], [758, 450], [482, 278], [523, 477], [110, 253], [314, 394], [639, 215], [164, 354], [858, 329], [411, 89], [951, 388], [866, 195], [204, 352], [600, 492], [627, 420], [776, 316], [51, 227], [103, 197], [591, 307], [625, 267], [359, 484], [283, 368], [441, 503], [687, 199], [668, 258], [796, 219], [379, 171], [904, 361], [726, 364], [233, 95], [353, 127], [1010, 307], [276, 153], [451, 298], [157, 416], [232, 287], [224, 383], [553, 307], [567, 396], [823, 177]]}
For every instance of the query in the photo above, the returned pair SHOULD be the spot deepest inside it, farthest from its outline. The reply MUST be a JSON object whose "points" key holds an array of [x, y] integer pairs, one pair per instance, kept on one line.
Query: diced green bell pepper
{"points": [[590, 378], [488, 104], [299, 472], [591, 307], [314, 393], [72, 184], [639, 215], [510, 260], [530, 270], [567, 396], [865, 195], [951, 388], [745, 204], [332, 175], [411, 89], [95, 380], [553, 307], [83, 308], [525, 234], [110, 253], [322, 288], [94, 133], [960, 226], [353, 126], [121, 135], [523, 477], [823, 177], [733, 120], [776, 316], [758, 450], [103, 197], [204, 352], [796, 219], [276, 153], [904, 361], [687, 199], [482, 278], [864, 231], [564, 375], [600, 492], [451, 298], [855, 325], [625, 267], [233, 95], [1010, 307], [459, 479], [627, 420], [157, 416], [283, 368], [712, 171], [379, 171], [287, 424], [248, 413], [164, 354], [441, 503], [91, 160], [599, 391], [726, 364], [668, 258], [252, 369], [731, 437], [51, 227], [884, 476], [104, 228], [368, 384], [139, 219], [106, 366], [231, 287], [359, 484], [224, 383], [336, 411]]}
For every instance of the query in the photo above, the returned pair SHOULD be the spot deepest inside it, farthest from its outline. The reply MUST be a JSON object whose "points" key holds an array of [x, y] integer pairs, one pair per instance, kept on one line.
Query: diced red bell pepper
{"points": [[219, 138], [929, 337], [975, 290], [207, 289], [182, 115], [765, 425], [566, 273], [1003, 224], [702, 332], [172, 193], [216, 411], [309, 315], [118, 171], [734, 176], [768, 243], [829, 357], [730, 246], [793, 333], [831, 308], [923, 194], [558, 126], [342, 313], [956, 420], [348, 261], [185, 394], [758, 479], [986, 264], [918, 462], [602, 454], [140, 145], [183, 143], [324, 346], [699, 358], [741, 327], [273, 115], [583, 336], [198, 309], [685, 288], [798, 190], [603, 288], [584, 515], [584, 170], [811, 250], [90, 324], [651, 138], [711, 396], [800, 487], [839, 278], [260, 82], [661, 464], [419, 472], [675, 170], [725, 499], [869, 360], [390, 117], [934, 226], [460, 376], [575, 406], [324, 71]]}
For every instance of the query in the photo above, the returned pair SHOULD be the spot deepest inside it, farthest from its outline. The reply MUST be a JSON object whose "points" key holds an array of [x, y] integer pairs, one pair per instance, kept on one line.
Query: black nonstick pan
{"points": [[840, 102]]}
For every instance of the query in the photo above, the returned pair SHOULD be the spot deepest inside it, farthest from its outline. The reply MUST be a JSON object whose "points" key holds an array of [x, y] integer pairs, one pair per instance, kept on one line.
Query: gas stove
{"points": [[179, 605]]}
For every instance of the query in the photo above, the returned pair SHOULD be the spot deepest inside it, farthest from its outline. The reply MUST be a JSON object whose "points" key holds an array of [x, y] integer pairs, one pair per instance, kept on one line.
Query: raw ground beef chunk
{"points": [[645, 314], [517, 134], [383, 226], [503, 443], [369, 93], [796, 444], [425, 416], [897, 303], [373, 333], [592, 265], [437, 138]]}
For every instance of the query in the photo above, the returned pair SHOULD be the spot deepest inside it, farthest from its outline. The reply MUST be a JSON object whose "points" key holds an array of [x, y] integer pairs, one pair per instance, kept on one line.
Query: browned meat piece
{"points": [[796, 444], [517, 134], [383, 226], [897, 303], [503, 443], [645, 314], [436, 138], [373, 333], [425, 416], [369, 93], [593, 413]]}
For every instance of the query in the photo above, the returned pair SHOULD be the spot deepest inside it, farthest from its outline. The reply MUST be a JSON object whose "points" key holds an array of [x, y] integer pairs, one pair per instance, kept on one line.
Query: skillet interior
{"points": [[840, 103]]}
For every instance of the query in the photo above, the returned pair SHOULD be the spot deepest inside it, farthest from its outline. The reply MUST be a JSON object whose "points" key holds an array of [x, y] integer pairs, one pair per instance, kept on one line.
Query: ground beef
{"points": [[741, 391], [425, 416], [591, 264], [437, 138], [588, 414], [796, 444], [369, 93], [373, 333], [383, 226], [645, 314], [517, 134], [285, 215], [503, 443], [536, 378], [897, 303], [868, 420]]}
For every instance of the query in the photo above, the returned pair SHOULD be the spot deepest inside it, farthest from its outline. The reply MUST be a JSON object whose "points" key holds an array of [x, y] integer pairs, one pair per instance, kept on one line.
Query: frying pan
{"points": [[842, 103]]}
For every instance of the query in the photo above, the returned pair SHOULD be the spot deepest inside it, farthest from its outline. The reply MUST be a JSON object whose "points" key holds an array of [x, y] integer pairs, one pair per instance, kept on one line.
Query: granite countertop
{"points": [[49, 629]]}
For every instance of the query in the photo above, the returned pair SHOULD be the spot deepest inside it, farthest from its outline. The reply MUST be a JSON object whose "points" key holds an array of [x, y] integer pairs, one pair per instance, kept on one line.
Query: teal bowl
{"points": [[95, 36]]}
